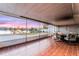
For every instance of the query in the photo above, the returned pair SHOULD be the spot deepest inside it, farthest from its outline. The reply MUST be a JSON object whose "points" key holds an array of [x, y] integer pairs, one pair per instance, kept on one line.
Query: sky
{"points": [[7, 21]]}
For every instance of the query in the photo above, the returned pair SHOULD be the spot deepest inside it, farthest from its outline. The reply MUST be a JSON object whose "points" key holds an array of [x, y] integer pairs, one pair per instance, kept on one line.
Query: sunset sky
{"points": [[7, 21]]}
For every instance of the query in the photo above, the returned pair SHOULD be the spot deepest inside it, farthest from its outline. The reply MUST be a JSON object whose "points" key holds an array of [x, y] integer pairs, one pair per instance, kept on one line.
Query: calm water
{"points": [[14, 37], [11, 37]]}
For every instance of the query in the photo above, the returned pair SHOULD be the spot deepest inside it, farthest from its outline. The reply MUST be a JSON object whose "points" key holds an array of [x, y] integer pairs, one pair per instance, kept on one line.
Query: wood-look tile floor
{"points": [[61, 49]]}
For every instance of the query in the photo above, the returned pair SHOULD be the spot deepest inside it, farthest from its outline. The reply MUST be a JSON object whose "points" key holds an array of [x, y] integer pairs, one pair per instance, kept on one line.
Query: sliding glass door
{"points": [[15, 30], [32, 30]]}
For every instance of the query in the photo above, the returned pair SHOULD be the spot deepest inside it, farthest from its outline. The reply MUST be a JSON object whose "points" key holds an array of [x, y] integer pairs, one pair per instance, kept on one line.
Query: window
{"points": [[32, 30], [12, 28], [18, 30], [43, 30]]}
